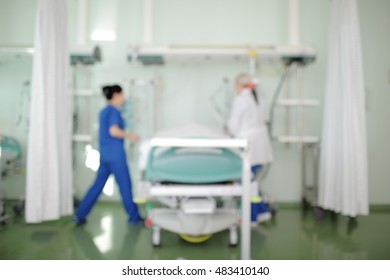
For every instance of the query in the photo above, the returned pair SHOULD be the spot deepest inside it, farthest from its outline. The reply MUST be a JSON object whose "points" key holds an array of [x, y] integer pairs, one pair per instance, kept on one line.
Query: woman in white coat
{"points": [[248, 119]]}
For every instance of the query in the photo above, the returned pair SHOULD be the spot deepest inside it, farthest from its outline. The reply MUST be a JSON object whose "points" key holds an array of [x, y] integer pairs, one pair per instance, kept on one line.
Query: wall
{"points": [[376, 59]]}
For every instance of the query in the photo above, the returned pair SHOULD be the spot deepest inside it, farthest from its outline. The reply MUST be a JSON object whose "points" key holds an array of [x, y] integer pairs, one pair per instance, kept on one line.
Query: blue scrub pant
{"points": [[121, 172], [260, 207]]}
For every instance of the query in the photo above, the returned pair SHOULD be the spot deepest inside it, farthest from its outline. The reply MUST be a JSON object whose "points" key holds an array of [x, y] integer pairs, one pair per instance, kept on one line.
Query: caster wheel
{"points": [[233, 237], [352, 225], [156, 237], [319, 213], [305, 204], [272, 208], [76, 202], [18, 208], [3, 219]]}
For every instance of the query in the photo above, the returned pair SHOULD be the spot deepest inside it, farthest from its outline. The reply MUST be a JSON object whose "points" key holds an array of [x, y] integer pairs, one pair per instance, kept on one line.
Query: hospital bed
{"points": [[189, 177], [10, 154]]}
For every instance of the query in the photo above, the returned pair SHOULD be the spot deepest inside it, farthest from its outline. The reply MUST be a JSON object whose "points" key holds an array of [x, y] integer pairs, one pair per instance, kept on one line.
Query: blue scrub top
{"points": [[111, 148]]}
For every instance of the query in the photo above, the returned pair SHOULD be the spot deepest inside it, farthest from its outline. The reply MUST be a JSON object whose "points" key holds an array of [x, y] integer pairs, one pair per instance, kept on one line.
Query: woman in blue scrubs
{"points": [[112, 158]]}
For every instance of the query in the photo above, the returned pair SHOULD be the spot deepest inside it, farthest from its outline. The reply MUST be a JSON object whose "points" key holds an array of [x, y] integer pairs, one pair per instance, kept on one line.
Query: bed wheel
{"points": [[18, 208], [3, 219], [233, 236], [156, 237], [319, 213], [305, 204], [272, 208]]}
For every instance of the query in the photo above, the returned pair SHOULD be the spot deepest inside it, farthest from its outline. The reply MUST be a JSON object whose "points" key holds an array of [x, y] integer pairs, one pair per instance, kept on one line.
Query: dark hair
{"points": [[254, 93], [109, 91]]}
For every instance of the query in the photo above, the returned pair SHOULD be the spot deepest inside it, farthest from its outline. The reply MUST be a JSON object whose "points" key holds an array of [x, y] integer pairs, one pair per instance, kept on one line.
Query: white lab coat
{"points": [[248, 120]]}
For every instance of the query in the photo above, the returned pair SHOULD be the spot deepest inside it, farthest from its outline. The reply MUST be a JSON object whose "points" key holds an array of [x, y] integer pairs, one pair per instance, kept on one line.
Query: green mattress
{"points": [[193, 165]]}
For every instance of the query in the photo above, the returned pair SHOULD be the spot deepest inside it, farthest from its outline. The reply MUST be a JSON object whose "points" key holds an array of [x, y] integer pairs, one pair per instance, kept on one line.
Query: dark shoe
{"points": [[79, 222]]}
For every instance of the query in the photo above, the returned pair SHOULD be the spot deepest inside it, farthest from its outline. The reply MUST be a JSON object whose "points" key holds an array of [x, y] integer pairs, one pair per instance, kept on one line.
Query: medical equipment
{"points": [[187, 175], [10, 155], [86, 55], [82, 93], [3, 214], [141, 117], [81, 56], [159, 55], [220, 100], [24, 103], [81, 59], [308, 145]]}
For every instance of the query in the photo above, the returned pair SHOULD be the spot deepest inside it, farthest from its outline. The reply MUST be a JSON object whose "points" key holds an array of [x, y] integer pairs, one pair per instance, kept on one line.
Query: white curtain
{"points": [[343, 181], [49, 172]]}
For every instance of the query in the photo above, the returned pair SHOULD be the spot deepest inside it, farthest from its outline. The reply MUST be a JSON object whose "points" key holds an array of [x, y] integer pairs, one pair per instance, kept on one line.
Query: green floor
{"points": [[291, 235]]}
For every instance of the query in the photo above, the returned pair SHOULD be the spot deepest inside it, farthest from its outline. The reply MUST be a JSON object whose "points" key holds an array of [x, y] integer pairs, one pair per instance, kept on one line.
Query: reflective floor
{"points": [[292, 234]]}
